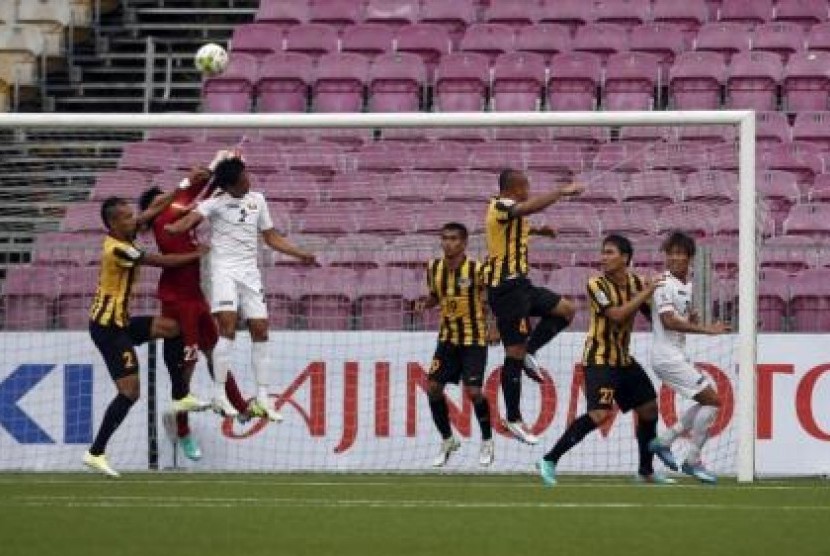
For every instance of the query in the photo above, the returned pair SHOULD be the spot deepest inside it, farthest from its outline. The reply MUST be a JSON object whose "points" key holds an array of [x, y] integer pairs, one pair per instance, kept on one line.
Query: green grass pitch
{"points": [[204, 514]]}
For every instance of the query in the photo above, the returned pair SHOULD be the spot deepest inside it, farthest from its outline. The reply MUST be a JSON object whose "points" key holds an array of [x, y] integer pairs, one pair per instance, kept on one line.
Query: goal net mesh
{"points": [[349, 357]]}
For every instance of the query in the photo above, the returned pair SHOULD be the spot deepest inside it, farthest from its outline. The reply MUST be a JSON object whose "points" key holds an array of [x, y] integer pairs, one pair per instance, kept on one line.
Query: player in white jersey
{"points": [[673, 318], [238, 218]]}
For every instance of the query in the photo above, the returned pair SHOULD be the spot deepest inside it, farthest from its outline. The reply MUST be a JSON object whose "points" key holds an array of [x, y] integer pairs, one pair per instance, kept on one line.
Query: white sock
{"points": [[222, 357], [259, 361], [700, 432], [683, 425]]}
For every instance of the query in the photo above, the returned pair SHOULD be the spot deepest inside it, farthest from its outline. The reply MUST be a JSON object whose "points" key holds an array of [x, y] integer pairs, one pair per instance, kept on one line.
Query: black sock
{"points": [[511, 387], [441, 416], [482, 410], [646, 432], [173, 351], [574, 434], [544, 331], [117, 410]]}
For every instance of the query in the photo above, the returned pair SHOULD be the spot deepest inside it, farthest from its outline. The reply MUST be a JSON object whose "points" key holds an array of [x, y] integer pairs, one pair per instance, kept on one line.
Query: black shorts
{"points": [[513, 302], [628, 386], [116, 344], [452, 363]]}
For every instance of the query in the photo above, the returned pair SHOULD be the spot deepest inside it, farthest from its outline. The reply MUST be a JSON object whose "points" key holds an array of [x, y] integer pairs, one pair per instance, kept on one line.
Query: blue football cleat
{"points": [[699, 472], [663, 453], [654, 479], [547, 470]]}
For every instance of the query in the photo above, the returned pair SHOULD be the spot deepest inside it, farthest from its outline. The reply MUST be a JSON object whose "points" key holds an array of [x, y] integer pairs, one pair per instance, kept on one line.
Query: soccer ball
{"points": [[211, 59]]}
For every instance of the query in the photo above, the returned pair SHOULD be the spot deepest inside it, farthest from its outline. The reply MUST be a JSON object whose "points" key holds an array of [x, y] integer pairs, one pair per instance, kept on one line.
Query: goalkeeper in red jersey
{"points": [[182, 300]]}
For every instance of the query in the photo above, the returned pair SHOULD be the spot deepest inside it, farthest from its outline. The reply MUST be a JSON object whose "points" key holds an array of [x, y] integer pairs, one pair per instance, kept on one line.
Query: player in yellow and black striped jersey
{"points": [[113, 330], [512, 297], [612, 375], [455, 284]]}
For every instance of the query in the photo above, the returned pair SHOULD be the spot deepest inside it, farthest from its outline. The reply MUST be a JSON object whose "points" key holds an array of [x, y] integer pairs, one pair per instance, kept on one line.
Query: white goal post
{"points": [[744, 120]]}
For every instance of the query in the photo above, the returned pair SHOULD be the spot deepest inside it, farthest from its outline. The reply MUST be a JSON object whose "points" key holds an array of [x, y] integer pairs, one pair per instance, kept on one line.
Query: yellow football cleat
{"points": [[100, 464], [189, 403]]}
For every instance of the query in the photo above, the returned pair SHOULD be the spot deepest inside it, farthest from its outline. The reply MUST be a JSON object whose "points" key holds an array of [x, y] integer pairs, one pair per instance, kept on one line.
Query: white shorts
{"points": [[679, 374], [230, 293]]}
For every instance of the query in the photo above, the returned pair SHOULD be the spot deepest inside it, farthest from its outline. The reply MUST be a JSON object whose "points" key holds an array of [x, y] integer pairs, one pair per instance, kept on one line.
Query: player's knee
{"points": [[516, 351], [164, 327], [475, 394], [434, 390], [648, 411], [710, 397], [130, 391], [259, 333], [599, 416]]}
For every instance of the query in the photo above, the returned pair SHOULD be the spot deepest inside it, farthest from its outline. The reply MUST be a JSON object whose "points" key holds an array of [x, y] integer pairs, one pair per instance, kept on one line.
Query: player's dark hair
{"points": [[456, 227], [108, 208], [506, 179], [147, 197], [678, 239], [622, 244], [228, 173]]}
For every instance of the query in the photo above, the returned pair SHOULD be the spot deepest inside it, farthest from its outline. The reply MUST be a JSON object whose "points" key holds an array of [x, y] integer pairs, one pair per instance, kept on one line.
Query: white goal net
{"points": [[368, 194]]}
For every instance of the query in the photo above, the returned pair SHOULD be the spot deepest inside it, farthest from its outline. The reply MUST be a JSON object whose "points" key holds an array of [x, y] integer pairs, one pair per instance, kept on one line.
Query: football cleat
{"points": [[448, 446], [521, 432], [547, 470], [664, 453], [189, 403], [532, 368], [191, 448], [654, 479], [487, 453], [100, 464], [699, 472], [259, 408], [223, 407]]}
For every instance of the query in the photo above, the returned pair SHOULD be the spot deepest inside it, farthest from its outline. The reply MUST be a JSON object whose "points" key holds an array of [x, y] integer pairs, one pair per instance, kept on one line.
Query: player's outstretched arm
{"points": [[278, 243], [173, 260], [185, 223], [541, 202], [160, 203], [672, 321], [627, 310]]}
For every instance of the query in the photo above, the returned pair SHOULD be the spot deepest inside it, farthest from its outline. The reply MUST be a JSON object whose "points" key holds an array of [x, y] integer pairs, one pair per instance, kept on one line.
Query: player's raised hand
{"points": [[199, 175], [719, 327], [307, 258], [571, 190]]}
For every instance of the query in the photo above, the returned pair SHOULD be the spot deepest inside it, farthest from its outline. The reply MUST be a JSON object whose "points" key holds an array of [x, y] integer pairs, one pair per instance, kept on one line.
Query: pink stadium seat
{"points": [[621, 157], [452, 16], [812, 127], [175, 136], [724, 38], [341, 78], [232, 91], [357, 252], [572, 220], [283, 13], [563, 158], [773, 296], [518, 81], [430, 42], [422, 188], [492, 157], [802, 159], [790, 254], [523, 134], [326, 302], [461, 82], [574, 78], [323, 159], [780, 191], [546, 39], [711, 187], [74, 297], [818, 39], [67, 248], [296, 189], [283, 83], [338, 13], [384, 158], [820, 191], [753, 12], [385, 298], [147, 157], [572, 282], [516, 13], [771, 128], [368, 39], [490, 39], [697, 219], [314, 39], [82, 217], [812, 220], [810, 300], [628, 14], [753, 80], [121, 183], [805, 13], [572, 13], [630, 81], [648, 134], [685, 15], [632, 219], [680, 157], [806, 84], [434, 157], [470, 187], [695, 81], [392, 12], [29, 294], [659, 39], [601, 188], [257, 39], [353, 188], [195, 154], [707, 134], [395, 83], [784, 39], [656, 188], [392, 219], [602, 39], [327, 219], [282, 290]]}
